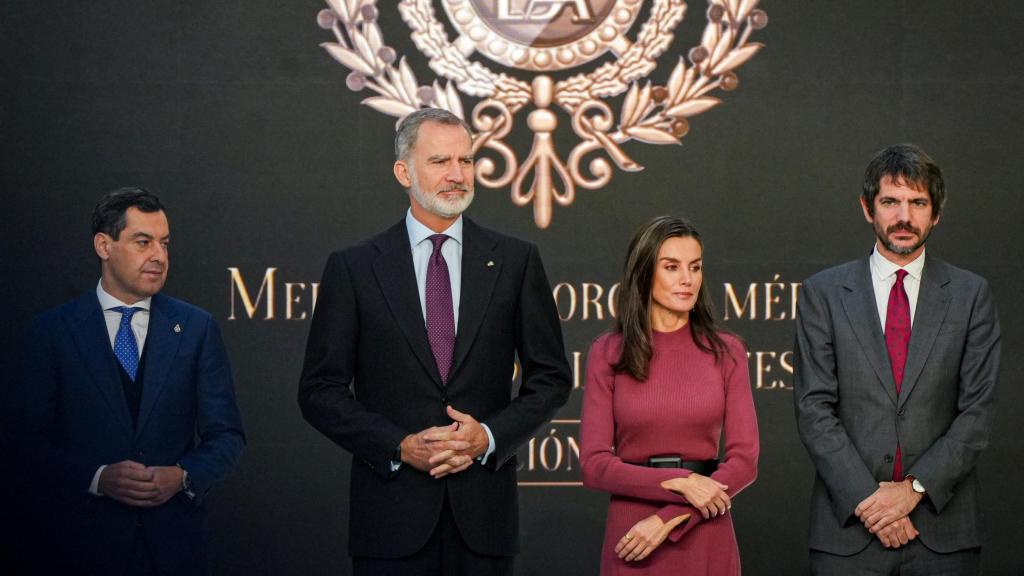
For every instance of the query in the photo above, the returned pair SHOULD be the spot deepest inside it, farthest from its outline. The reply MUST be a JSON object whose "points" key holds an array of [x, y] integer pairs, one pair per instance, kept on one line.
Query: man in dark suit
{"points": [[894, 378], [126, 416], [409, 367]]}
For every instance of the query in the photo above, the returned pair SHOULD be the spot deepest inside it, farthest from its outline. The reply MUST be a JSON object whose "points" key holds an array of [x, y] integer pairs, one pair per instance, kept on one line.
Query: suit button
{"points": [[888, 458], [444, 400], [901, 411]]}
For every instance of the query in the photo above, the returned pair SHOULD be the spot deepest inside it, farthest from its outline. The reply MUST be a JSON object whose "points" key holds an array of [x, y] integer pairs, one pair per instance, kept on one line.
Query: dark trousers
{"points": [[444, 554], [914, 559]]}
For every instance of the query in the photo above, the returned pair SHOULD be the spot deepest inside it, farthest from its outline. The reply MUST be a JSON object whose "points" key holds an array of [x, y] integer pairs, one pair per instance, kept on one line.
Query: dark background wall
{"points": [[265, 159]]}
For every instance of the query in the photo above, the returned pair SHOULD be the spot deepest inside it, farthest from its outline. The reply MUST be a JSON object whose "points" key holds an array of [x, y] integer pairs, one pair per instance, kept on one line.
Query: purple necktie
{"points": [[440, 316], [897, 341]]}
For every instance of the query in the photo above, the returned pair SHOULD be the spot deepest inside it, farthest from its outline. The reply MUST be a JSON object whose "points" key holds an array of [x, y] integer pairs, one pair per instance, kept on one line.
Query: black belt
{"points": [[702, 467]]}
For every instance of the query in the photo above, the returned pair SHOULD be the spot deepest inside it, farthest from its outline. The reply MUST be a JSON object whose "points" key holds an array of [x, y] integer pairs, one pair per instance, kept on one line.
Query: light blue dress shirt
{"points": [[451, 250]]}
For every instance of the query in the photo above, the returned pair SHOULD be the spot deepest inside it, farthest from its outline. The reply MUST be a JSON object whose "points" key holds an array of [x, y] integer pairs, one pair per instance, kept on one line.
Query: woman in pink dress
{"points": [[661, 389]]}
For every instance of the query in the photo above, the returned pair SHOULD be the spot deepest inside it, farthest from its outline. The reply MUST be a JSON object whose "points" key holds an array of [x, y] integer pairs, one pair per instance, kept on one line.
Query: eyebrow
{"points": [[677, 261], [148, 236]]}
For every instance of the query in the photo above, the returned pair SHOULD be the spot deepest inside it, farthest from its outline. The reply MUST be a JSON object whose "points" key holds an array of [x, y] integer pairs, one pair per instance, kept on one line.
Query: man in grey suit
{"points": [[894, 378]]}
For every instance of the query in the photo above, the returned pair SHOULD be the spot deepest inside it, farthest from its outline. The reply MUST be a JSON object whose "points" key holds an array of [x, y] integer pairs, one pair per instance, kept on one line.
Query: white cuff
{"points": [[94, 487], [490, 444]]}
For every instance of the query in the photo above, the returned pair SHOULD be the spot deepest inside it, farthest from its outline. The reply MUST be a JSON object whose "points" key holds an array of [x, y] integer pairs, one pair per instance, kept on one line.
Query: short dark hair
{"points": [[409, 128], [109, 215], [911, 165], [634, 299]]}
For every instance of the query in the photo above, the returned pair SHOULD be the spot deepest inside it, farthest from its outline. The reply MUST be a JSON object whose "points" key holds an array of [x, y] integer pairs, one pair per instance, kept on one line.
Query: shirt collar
{"points": [[883, 267], [418, 232], [107, 301]]}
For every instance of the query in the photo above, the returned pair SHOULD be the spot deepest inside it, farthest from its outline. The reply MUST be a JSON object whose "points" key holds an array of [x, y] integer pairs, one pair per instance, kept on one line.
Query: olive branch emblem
{"points": [[649, 113]]}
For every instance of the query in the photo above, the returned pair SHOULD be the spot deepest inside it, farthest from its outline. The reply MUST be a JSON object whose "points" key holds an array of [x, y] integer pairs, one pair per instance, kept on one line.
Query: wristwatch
{"points": [[186, 483], [917, 486]]}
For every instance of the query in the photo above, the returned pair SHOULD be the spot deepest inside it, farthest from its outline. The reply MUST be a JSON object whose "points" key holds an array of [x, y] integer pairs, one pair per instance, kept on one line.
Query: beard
{"points": [[883, 237], [438, 205]]}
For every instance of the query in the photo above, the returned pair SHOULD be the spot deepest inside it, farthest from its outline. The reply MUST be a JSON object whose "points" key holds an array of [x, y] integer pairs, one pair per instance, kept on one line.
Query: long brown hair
{"points": [[634, 299]]}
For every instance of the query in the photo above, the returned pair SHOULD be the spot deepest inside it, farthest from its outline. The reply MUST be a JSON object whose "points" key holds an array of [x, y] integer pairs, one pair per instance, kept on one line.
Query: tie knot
{"points": [[900, 275], [126, 312], [438, 240]]}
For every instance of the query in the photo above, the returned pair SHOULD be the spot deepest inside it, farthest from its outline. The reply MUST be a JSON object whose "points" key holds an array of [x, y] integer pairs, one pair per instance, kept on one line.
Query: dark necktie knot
{"points": [[438, 240]]}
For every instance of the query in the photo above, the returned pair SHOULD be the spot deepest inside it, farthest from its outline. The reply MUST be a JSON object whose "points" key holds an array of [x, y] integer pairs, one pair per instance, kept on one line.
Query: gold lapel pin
{"points": [[177, 328], [490, 263]]}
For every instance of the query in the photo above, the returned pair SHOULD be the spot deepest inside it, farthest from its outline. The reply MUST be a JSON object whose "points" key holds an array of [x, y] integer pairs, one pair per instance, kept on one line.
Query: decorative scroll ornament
{"points": [[540, 36]]}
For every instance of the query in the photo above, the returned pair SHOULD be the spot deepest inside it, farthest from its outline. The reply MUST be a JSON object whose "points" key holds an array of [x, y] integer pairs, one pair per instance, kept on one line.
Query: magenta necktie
{"points": [[440, 315], [897, 341]]}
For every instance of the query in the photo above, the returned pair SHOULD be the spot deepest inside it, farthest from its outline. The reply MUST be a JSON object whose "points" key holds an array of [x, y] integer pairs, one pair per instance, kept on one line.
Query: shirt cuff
{"points": [[490, 444], [94, 487]]}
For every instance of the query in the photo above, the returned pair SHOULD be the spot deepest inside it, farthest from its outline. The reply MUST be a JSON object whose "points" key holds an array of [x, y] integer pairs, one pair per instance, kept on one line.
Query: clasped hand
{"points": [[136, 484], [703, 493], [885, 513], [444, 450]]}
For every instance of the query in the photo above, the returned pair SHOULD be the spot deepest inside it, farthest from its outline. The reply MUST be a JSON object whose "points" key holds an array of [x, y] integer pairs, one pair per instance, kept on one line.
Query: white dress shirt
{"points": [[883, 276], [140, 327]]}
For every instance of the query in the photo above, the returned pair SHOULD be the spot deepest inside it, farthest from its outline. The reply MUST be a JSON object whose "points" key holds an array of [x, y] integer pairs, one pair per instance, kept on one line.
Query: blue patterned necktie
{"points": [[125, 347]]}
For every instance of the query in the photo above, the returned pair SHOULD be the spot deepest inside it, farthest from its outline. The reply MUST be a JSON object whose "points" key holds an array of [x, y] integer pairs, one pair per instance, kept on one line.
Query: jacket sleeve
{"points": [[218, 421], [546, 378], [954, 454], [325, 396], [35, 407], [816, 394]]}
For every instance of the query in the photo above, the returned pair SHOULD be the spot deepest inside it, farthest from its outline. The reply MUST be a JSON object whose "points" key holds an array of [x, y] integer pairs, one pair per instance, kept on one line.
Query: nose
{"points": [[159, 253], [686, 278], [455, 172], [904, 212]]}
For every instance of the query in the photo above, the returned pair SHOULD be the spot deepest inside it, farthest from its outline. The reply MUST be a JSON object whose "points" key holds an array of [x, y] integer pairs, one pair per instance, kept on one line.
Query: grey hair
{"points": [[409, 128]]}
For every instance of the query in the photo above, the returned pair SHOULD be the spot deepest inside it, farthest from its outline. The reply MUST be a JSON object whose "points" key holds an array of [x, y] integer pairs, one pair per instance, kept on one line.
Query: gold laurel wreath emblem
{"points": [[649, 113]]}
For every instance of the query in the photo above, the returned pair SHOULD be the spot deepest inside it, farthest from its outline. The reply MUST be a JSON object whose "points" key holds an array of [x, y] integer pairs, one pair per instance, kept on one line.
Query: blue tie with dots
{"points": [[125, 347]]}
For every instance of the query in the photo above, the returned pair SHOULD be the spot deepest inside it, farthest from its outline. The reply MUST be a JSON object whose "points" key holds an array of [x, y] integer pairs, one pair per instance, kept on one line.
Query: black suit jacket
{"points": [[370, 379], [72, 417], [850, 418]]}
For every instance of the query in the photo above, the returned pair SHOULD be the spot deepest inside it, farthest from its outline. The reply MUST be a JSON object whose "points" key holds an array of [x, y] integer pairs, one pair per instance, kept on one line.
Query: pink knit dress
{"points": [[682, 409]]}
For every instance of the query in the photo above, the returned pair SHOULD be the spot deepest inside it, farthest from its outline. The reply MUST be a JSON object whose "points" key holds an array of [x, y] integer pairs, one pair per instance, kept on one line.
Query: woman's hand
{"points": [[703, 493], [645, 536]]}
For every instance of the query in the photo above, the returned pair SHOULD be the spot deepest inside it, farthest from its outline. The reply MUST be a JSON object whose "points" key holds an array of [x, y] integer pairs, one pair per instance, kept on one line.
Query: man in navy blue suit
{"points": [[126, 414]]}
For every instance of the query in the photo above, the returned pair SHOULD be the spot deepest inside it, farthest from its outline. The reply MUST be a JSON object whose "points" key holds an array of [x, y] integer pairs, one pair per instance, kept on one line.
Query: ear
{"points": [[101, 243], [867, 210], [402, 173]]}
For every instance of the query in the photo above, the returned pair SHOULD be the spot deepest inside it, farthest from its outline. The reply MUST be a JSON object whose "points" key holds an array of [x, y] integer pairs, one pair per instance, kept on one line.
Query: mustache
{"points": [[453, 187], [902, 227]]}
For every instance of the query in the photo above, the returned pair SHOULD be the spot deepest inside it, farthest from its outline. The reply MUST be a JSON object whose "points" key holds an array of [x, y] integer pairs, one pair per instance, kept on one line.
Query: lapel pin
{"points": [[490, 263], [177, 328]]}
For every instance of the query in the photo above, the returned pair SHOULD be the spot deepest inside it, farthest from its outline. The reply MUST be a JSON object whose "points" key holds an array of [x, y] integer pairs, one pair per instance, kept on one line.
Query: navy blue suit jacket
{"points": [[72, 417]]}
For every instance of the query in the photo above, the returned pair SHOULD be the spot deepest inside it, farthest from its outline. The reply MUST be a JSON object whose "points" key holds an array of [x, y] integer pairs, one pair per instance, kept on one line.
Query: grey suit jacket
{"points": [[850, 418]]}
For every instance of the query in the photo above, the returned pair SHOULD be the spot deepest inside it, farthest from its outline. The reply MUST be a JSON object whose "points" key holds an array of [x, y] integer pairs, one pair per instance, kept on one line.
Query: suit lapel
{"points": [[932, 305], [161, 348], [397, 280], [862, 314], [480, 270], [89, 331]]}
